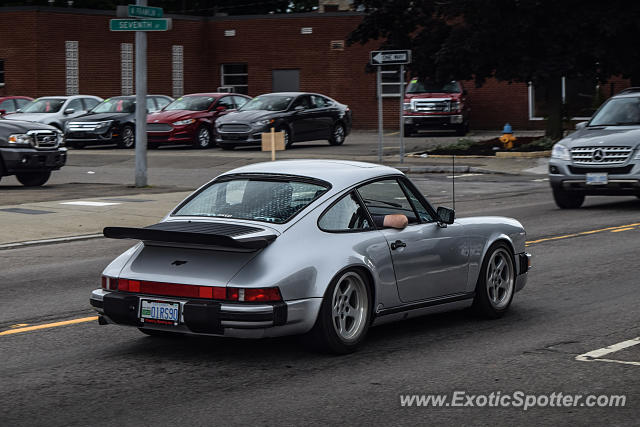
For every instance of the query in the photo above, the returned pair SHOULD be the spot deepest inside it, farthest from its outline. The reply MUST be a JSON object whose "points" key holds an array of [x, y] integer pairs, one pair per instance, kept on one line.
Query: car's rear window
{"points": [[268, 200]]}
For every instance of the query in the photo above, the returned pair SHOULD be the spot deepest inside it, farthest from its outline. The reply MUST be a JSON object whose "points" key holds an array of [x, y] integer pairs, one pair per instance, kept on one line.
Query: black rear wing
{"points": [[197, 233]]}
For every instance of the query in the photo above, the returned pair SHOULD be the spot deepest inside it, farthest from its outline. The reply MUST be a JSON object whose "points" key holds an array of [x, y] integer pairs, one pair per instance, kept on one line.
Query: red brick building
{"points": [[56, 51]]}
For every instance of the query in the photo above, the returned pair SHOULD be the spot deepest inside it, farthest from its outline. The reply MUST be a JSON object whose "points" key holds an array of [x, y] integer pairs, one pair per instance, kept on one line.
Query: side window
{"points": [[386, 197], [7, 105], [162, 102], [225, 101], [151, 104], [422, 210], [89, 103], [76, 104], [22, 102], [240, 101], [346, 215], [319, 101], [303, 100]]}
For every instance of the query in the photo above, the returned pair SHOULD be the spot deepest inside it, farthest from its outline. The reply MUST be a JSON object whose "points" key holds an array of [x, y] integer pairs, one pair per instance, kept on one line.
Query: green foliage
{"points": [[489, 147]]}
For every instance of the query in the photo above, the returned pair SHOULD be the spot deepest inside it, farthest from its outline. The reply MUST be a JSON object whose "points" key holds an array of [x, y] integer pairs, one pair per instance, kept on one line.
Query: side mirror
{"points": [[446, 215], [69, 111], [581, 125], [298, 108], [221, 108]]}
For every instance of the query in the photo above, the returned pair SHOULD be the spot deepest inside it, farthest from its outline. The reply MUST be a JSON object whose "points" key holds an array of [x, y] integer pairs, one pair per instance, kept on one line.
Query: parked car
{"points": [[301, 116], [110, 122], [190, 118], [55, 110], [9, 104], [297, 247], [602, 157], [433, 106], [30, 151]]}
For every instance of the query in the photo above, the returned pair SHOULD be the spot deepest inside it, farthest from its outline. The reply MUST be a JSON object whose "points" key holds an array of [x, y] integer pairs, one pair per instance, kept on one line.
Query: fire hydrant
{"points": [[507, 137]]}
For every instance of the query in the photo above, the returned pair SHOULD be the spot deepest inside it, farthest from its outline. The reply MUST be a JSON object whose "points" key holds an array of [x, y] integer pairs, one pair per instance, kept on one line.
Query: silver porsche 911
{"points": [[305, 247]]}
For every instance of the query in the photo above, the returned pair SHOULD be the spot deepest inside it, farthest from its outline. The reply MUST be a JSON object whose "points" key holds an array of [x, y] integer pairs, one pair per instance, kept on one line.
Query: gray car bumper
{"points": [[621, 180], [205, 317]]}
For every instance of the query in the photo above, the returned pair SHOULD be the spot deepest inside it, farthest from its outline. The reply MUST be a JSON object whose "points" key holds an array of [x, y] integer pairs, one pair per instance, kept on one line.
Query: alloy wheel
{"points": [[499, 279], [349, 306]]}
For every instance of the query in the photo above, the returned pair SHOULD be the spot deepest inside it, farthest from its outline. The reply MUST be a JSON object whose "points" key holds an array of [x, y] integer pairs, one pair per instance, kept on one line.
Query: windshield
{"points": [[256, 199], [116, 105], [618, 112], [48, 105], [416, 86], [268, 103], [191, 103]]}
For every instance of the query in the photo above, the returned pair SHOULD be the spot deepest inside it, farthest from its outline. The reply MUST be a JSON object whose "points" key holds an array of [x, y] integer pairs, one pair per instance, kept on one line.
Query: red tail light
{"points": [[193, 291]]}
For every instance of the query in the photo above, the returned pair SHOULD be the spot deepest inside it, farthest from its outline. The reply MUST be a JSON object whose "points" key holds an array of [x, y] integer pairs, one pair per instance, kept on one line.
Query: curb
{"points": [[52, 241], [449, 169], [499, 154]]}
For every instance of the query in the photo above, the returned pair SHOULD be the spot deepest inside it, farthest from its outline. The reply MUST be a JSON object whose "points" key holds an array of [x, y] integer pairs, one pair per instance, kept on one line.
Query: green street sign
{"points": [[163, 24], [144, 11]]}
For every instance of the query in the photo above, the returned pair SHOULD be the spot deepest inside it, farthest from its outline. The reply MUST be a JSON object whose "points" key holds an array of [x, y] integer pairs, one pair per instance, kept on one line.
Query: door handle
{"points": [[398, 244]]}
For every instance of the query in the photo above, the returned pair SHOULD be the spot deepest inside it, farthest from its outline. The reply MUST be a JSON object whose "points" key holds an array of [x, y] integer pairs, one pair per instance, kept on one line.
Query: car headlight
{"points": [[638, 155], [265, 122], [561, 152], [455, 106], [183, 122], [20, 139], [406, 106], [61, 140], [104, 124]]}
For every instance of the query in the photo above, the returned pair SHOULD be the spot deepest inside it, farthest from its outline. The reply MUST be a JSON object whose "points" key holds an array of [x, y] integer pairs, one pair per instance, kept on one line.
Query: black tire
{"points": [[338, 134], [408, 130], [487, 300], [463, 129], [226, 146], [202, 140], [33, 179], [288, 141], [127, 137], [566, 199], [161, 334], [324, 335]]}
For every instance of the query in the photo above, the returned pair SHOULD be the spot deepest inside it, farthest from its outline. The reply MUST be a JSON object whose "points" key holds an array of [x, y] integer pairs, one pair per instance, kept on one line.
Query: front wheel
{"points": [[496, 283], [345, 314], [203, 138], [567, 199], [337, 134], [33, 179], [127, 137], [408, 130]]}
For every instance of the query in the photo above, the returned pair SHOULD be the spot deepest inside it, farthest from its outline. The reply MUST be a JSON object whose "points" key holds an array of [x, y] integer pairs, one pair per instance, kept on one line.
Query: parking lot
{"points": [[573, 329]]}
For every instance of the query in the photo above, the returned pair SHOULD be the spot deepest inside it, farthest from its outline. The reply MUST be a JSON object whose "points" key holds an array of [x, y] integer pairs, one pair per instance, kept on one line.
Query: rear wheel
{"points": [[203, 138], [567, 200], [127, 137], [33, 179], [496, 283], [345, 314], [337, 134]]}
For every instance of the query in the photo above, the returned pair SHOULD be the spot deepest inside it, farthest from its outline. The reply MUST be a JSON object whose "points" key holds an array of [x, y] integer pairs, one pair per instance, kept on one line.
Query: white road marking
{"points": [[540, 180], [87, 203], [596, 355], [463, 175]]}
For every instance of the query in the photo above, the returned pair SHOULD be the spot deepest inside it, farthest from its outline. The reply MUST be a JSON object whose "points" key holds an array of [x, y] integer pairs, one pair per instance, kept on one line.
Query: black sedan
{"points": [[301, 116], [110, 122]]}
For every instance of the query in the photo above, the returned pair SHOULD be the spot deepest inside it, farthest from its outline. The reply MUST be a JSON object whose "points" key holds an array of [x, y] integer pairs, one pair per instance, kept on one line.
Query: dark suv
{"points": [[602, 157], [30, 151]]}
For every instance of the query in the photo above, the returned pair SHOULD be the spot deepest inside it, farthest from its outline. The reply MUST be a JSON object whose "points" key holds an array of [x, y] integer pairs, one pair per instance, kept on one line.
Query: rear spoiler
{"points": [[199, 233]]}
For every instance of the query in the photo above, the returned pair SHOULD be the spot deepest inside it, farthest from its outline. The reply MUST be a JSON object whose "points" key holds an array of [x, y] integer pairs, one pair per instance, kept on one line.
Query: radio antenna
{"points": [[453, 179]]}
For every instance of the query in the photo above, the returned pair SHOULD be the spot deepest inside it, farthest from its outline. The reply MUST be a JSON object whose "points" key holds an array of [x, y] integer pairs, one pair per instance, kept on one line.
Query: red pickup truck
{"points": [[435, 106]]}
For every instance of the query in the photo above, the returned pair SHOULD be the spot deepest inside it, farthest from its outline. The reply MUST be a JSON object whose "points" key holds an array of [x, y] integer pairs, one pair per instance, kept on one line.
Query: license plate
{"points": [[597, 178], [163, 312]]}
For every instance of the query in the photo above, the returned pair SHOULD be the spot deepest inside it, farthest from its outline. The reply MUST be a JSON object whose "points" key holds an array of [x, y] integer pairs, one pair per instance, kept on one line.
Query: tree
{"points": [[537, 41]]}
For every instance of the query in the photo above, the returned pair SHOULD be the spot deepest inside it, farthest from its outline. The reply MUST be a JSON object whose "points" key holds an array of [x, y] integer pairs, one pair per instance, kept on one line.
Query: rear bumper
{"points": [[17, 160], [205, 317]]}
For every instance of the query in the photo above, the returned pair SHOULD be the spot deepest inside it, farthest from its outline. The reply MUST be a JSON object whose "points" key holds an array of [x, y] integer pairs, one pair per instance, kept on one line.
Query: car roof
{"points": [[212, 94], [339, 173]]}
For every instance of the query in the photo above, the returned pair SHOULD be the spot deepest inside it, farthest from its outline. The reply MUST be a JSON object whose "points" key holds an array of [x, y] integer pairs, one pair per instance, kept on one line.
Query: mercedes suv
{"points": [[602, 157]]}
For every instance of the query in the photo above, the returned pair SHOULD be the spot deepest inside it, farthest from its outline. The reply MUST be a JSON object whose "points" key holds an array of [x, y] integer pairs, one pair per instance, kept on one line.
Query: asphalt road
{"points": [[582, 295]]}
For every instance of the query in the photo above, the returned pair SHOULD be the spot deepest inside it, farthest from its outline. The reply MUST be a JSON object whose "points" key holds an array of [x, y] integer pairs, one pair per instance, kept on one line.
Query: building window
{"points": [[580, 96], [71, 55], [236, 76], [390, 81], [1, 72], [177, 64], [126, 68]]}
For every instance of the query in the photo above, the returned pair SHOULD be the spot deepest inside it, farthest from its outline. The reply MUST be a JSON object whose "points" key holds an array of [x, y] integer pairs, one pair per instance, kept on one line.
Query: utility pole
{"points": [[141, 105]]}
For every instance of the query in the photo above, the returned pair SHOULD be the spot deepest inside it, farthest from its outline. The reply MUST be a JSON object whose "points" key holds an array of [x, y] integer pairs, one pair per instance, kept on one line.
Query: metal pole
{"points": [[380, 131], [141, 105], [401, 113]]}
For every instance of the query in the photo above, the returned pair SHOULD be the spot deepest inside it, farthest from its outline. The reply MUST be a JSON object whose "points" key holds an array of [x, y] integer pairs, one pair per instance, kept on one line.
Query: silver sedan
{"points": [[323, 248]]}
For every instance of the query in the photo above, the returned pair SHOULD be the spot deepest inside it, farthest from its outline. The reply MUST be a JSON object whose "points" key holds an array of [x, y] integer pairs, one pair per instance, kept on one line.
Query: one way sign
{"points": [[387, 57]]}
